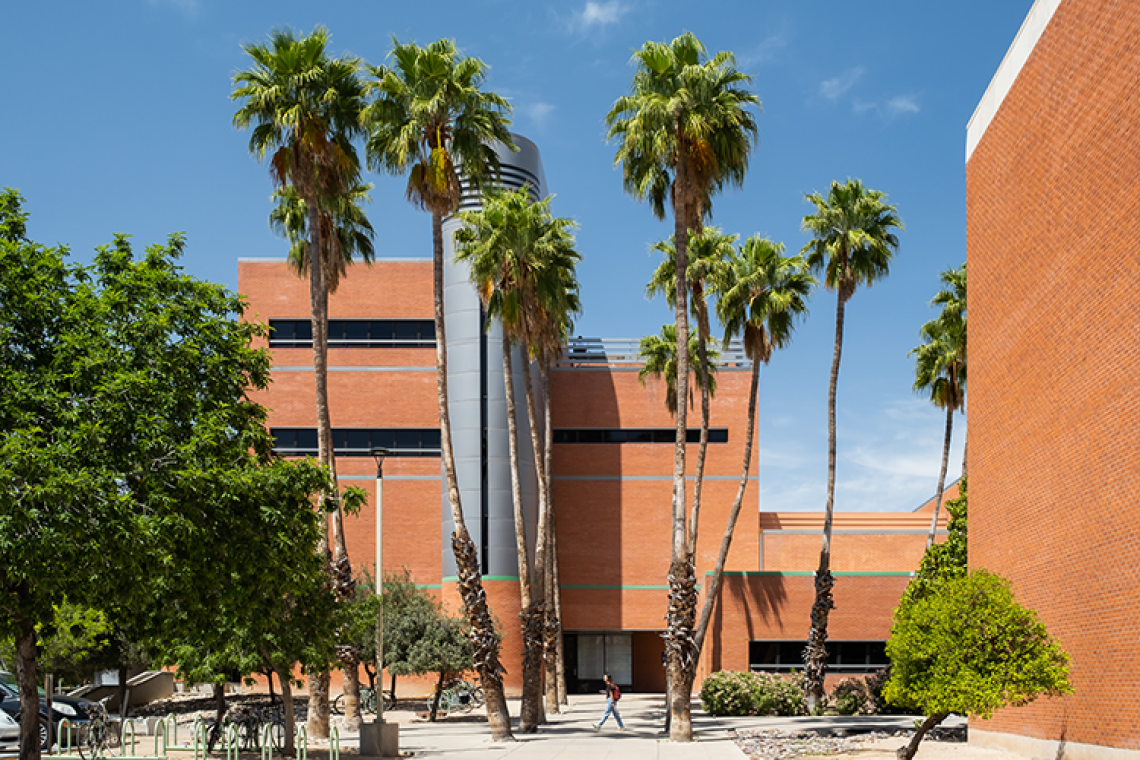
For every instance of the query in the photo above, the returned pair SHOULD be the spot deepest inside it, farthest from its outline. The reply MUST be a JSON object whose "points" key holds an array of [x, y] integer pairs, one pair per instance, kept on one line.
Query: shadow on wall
{"points": [[751, 596]]}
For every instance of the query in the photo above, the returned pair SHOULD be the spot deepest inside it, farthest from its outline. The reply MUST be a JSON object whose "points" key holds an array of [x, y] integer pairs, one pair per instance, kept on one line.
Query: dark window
{"points": [[359, 442], [847, 656], [355, 333], [635, 435]]}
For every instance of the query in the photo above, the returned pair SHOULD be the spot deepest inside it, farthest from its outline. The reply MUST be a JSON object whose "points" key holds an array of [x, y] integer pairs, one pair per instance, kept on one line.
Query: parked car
{"points": [[75, 710], [9, 729]]}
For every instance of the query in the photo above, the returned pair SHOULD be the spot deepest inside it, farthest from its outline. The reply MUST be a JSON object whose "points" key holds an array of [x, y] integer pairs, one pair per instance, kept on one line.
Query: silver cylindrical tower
{"points": [[477, 397]]}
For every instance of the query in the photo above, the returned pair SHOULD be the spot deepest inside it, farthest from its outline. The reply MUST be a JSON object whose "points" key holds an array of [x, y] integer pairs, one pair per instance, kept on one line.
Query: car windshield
{"points": [[9, 681]]}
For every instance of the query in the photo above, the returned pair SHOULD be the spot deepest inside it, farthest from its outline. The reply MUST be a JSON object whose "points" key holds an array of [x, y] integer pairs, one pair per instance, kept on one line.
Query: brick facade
{"points": [[613, 501], [1052, 230]]}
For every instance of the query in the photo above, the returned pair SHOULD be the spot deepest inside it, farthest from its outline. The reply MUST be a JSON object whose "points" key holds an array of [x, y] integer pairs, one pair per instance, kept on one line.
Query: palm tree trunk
{"points": [[941, 476], [555, 659], [681, 615], [536, 624], [703, 381], [531, 627], [483, 637], [318, 721], [815, 654], [726, 542]]}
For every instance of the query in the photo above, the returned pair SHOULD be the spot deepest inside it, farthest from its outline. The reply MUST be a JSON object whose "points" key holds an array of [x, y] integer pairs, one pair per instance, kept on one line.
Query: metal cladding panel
{"points": [[473, 366]]}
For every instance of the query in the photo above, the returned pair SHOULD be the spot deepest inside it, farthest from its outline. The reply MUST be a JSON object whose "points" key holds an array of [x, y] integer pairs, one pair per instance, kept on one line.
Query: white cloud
{"points": [[838, 86], [901, 104], [539, 112], [764, 51], [889, 458], [599, 14]]}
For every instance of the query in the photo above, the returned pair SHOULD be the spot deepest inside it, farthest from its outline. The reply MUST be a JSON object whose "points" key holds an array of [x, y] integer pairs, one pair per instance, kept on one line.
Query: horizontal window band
{"points": [[614, 478], [303, 368], [631, 435], [811, 573]]}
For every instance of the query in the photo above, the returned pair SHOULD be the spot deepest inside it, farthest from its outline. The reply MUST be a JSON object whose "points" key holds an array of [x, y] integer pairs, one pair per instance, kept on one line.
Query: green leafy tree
{"points": [[940, 367], [684, 131], [304, 109], [947, 560], [429, 117], [127, 426], [522, 261], [852, 244], [970, 648]]}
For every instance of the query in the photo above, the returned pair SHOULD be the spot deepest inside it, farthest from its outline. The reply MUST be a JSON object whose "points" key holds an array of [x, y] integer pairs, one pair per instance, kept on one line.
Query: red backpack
{"points": [[616, 692]]}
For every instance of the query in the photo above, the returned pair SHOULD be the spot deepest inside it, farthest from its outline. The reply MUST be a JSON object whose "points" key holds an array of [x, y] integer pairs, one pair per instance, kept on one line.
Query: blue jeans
{"points": [[611, 709]]}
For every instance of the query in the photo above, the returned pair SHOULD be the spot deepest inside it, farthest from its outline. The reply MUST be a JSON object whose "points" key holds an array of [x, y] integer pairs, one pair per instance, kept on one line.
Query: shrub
{"points": [[743, 693], [851, 697]]}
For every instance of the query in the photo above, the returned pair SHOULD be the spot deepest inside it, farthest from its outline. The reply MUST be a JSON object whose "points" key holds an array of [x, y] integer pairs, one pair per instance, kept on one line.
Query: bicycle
{"points": [[367, 701], [99, 734]]}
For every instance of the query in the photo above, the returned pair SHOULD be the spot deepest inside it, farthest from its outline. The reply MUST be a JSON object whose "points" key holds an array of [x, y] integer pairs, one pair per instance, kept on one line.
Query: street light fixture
{"points": [[380, 738]]}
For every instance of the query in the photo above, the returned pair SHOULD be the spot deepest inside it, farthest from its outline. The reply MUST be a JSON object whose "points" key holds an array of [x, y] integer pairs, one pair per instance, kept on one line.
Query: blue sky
{"points": [[117, 119]]}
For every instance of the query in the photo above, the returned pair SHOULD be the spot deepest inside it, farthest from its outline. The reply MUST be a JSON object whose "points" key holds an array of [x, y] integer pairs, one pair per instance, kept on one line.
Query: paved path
{"points": [[571, 735]]}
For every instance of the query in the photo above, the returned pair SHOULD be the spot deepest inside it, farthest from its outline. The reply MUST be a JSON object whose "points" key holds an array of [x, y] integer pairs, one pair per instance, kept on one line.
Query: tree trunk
{"points": [[318, 722], [555, 660], [28, 688], [941, 476], [290, 749], [350, 685], [681, 615], [470, 583], [703, 381], [815, 654], [219, 699], [907, 752], [433, 711], [536, 624], [726, 542], [529, 617]]}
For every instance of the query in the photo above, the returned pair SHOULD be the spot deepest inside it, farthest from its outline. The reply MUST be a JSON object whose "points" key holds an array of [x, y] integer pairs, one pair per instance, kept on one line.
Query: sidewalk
{"points": [[568, 736]]}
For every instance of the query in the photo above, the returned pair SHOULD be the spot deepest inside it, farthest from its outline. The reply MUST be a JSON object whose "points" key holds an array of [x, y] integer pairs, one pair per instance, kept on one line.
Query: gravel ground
{"points": [[782, 745]]}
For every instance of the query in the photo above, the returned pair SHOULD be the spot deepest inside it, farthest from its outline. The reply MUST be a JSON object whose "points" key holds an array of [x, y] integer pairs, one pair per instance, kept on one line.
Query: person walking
{"points": [[613, 694]]}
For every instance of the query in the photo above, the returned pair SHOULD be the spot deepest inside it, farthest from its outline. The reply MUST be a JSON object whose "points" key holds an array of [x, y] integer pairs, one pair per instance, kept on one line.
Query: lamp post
{"points": [[380, 738]]}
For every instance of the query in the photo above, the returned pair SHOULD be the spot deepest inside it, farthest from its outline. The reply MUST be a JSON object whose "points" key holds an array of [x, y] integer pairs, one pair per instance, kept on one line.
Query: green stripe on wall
{"points": [[811, 573], [616, 587], [455, 578]]}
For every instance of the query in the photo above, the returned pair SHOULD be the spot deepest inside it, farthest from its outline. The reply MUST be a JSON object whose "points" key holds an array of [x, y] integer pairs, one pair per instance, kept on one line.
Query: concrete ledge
{"points": [[1048, 748]]}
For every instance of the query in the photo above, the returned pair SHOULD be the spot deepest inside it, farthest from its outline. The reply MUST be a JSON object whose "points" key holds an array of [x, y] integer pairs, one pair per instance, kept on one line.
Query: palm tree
{"points": [[684, 131], [659, 352], [520, 256], [430, 115], [852, 245], [940, 367], [304, 108], [708, 249], [760, 295], [345, 234], [952, 299]]}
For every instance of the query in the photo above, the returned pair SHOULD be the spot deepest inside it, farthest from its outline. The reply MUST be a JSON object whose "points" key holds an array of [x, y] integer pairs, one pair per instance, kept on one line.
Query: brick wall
{"points": [[1052, 231]]}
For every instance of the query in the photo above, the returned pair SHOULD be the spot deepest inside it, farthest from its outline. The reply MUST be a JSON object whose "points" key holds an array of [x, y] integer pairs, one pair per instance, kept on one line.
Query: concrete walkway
{"points": [[570, 735]]}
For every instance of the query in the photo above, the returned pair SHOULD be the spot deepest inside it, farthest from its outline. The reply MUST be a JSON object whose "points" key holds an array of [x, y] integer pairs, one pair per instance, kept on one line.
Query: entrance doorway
{"points": [[589, 656]]}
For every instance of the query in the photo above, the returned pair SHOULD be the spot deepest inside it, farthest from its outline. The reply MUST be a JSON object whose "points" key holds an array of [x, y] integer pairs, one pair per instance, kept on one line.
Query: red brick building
{"points": [[612, 489], [613, 459], [1052, 164]]}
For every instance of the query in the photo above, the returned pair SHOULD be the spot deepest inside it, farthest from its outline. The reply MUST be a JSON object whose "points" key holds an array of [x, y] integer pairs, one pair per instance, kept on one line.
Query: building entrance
{"points": [[589, 656]]}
